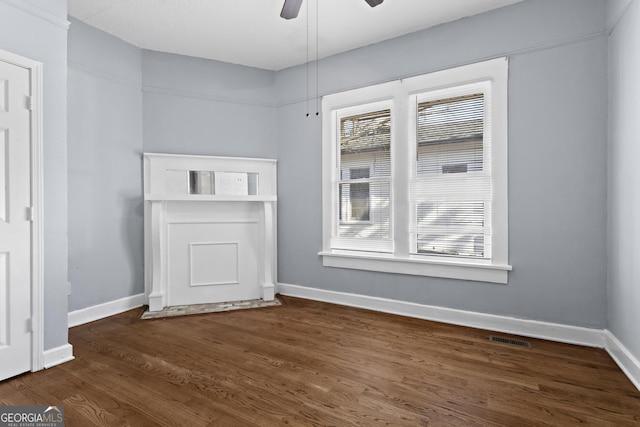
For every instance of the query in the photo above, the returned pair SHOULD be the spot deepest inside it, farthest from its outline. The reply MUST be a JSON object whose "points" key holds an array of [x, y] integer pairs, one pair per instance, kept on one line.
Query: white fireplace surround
{"points": [[210, 229]]}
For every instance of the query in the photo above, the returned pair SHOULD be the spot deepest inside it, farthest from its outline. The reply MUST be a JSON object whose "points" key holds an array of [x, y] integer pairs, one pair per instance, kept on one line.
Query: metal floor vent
{"points": [[509, 341]]}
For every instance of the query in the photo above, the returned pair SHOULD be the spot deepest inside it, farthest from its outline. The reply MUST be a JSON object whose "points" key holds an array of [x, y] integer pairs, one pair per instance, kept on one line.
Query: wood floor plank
{"points": [[316, 364]]}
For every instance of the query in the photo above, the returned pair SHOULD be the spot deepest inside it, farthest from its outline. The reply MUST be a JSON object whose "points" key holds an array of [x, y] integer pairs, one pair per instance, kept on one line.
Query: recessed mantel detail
{"points": [[209, 229]]}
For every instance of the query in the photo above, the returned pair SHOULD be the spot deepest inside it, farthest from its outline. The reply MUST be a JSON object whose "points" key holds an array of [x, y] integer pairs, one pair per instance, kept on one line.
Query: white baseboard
{"points": [[100, 311], [510, 325], [629, 364], [58, 355]]}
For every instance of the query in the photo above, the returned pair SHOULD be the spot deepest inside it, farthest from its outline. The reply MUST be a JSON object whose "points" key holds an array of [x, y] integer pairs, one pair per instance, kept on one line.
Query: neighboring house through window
{"points": [[415, 175]]}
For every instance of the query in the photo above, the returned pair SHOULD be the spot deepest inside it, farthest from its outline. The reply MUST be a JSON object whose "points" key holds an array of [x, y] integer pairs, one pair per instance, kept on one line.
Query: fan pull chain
{"points": [[307, 9], [317, 58]]}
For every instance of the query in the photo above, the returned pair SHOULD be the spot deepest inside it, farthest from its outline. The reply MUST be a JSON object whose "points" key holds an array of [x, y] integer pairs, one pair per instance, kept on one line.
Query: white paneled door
{"points": [[15, 224]]}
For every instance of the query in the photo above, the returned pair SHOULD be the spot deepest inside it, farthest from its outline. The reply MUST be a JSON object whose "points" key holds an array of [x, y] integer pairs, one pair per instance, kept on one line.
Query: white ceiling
{"points": [[251, 32]]}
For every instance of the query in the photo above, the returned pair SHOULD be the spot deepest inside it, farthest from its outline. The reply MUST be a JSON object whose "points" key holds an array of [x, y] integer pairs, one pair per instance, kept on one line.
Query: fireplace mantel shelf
{"points": [[207, 198]]}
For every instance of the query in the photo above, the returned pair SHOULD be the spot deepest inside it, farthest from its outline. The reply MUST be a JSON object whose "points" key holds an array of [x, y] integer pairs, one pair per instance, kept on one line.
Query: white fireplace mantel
{"points": [[210, 229]]}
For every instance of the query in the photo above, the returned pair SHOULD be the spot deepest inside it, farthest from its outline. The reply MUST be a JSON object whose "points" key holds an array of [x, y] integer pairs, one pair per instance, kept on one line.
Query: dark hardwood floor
{"points": [[311, 363]]}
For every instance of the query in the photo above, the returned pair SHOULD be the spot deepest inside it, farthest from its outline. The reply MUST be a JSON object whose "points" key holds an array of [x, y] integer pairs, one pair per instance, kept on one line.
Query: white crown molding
{"points": [[82, 67], [629, 364], [616, 9], [206, 97], [100, 311], [36, 11], [58, 355]]}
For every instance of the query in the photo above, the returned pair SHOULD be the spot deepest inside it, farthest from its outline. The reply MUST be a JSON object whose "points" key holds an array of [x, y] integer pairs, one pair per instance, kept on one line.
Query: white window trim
{"points": [[401, 261]]}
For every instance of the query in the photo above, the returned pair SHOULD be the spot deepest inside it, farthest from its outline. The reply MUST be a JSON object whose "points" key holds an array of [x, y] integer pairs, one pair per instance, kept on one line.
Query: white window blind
{"points": [[363, 179], [451, 190]]}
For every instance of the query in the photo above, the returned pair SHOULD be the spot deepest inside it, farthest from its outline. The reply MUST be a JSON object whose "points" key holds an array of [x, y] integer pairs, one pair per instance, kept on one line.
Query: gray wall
{"points": [[557, 161], [624, 174], [199, 106], [37, 30], [104, 166]]}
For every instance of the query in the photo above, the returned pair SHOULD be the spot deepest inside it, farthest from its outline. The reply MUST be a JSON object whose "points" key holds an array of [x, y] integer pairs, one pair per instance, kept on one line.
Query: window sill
{"points": [[452, 269]]}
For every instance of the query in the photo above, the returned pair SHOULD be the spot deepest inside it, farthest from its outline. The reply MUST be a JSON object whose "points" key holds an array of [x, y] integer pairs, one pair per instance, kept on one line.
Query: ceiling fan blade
{"points": [[374, 3], [290, 9]]}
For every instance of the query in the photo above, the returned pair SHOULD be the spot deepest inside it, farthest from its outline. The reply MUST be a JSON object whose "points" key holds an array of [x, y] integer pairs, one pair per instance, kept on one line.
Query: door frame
{"points": [[37, 256]]}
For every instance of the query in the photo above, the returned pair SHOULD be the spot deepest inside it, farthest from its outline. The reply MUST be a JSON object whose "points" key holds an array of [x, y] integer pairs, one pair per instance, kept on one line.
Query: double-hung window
{"points": [[415, 175]]}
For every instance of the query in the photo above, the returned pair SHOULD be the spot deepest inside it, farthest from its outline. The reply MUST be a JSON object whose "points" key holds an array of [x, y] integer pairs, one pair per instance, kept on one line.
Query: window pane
{"points": [[452, 188], [450, 135], [365, 171], [365, 144]]}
